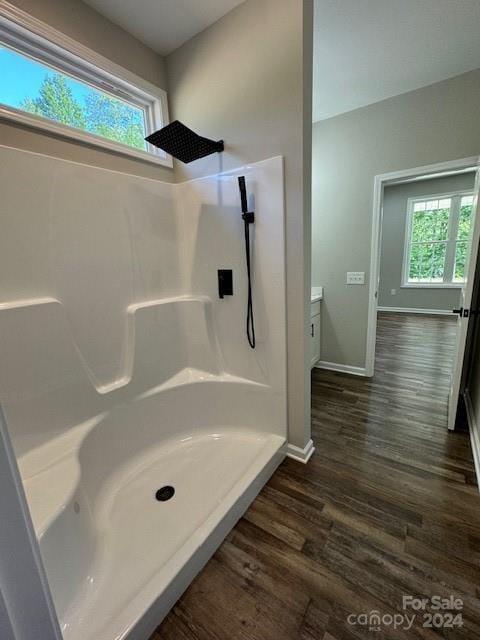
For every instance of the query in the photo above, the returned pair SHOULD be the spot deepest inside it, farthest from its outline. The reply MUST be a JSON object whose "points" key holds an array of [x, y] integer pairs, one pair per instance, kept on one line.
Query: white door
{"points": [[463, 317]]}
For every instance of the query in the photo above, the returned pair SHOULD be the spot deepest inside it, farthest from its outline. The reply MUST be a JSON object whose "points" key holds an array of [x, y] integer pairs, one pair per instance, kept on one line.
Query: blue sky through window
{"points": [[102, 114], [22, 78]]}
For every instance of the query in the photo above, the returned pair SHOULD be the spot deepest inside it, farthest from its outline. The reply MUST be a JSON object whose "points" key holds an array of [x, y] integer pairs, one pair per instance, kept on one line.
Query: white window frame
{"points": [[455, 197], [27, 35]]}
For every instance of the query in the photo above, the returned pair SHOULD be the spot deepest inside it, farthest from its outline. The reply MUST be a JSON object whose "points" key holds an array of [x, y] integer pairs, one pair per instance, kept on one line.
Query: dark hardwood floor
{"points": [[387, 507]]}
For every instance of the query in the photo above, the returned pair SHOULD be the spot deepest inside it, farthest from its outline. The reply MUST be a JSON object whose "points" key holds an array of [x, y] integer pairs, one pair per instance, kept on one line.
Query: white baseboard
{"points": [[342, 368], [474, 434], [301, 455], [430, 312]]}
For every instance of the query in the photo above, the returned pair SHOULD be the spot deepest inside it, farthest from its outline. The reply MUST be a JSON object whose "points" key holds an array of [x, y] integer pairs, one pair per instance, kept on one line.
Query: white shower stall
{"points": [[123, 372]]}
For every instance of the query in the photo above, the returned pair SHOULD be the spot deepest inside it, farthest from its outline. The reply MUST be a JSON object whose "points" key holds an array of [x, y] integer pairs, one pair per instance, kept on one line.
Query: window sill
{"points": [[29, 120], [430, 285]]}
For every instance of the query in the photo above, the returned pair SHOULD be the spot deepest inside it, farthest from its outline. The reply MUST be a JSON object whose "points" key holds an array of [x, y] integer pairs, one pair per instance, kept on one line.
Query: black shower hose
{"points": [[250, 320]]}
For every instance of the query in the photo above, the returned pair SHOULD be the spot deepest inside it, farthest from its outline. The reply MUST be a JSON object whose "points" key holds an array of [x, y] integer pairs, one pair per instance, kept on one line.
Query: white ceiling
{"points": [[364, 50], [369, 50], [163, 25]]}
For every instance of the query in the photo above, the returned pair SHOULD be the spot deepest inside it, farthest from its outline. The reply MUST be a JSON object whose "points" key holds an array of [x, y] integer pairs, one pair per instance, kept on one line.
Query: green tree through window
{"points": [[114, 119], [56, 102], [463, 236], [439, 239], [429, 240], [100, 113]]}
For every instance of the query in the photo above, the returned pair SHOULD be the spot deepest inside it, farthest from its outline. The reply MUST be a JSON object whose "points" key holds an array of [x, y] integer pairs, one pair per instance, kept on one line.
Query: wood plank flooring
{"points": [[386, 507]]}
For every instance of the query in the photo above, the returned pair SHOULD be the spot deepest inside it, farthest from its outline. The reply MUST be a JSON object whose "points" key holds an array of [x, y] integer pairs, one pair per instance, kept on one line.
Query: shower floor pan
{"points": [[117, 557]]}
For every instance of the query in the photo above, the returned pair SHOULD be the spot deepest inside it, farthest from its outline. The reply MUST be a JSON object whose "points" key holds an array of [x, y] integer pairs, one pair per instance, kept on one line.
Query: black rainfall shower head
{"points": [[182, 143]]}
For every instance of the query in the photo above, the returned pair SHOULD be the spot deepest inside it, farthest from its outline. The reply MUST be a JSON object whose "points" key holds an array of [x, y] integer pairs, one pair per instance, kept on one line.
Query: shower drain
{"points": [[165, 493]]}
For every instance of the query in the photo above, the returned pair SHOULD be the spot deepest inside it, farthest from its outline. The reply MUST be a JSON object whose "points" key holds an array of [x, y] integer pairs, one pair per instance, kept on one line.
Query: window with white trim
{"points": [[77, 94], [437, 240]]}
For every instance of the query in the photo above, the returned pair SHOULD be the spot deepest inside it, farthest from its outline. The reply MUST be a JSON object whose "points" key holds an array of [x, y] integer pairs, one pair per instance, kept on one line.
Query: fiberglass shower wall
{"points": [[85, 252], [214, 239], [120, 366]]}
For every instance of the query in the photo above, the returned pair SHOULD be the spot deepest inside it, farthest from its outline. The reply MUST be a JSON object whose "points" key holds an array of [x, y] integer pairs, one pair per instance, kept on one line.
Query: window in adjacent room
{"points": [[437, 240]]}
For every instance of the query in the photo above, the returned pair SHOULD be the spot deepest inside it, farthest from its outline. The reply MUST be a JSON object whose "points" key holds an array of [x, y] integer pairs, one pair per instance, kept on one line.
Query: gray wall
{"points": [[83, 24], [247, 79], [5, 622], [395, 201], [434, 124]]}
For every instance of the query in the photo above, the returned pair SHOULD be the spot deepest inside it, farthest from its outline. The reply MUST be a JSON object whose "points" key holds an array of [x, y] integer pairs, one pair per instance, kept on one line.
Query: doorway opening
{"points": [[425, 236]]}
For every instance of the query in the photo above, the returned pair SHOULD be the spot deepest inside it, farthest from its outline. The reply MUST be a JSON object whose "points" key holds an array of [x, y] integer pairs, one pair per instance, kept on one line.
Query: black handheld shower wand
{"points": [[248, 219]]}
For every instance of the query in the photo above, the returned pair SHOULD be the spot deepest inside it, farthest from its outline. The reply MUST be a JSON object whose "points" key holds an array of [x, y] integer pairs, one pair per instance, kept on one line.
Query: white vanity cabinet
{"points": [[315, 331]]}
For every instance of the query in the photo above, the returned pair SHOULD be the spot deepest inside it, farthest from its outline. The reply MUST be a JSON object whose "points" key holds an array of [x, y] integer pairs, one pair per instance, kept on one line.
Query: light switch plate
{"points": [[355, 277]]}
